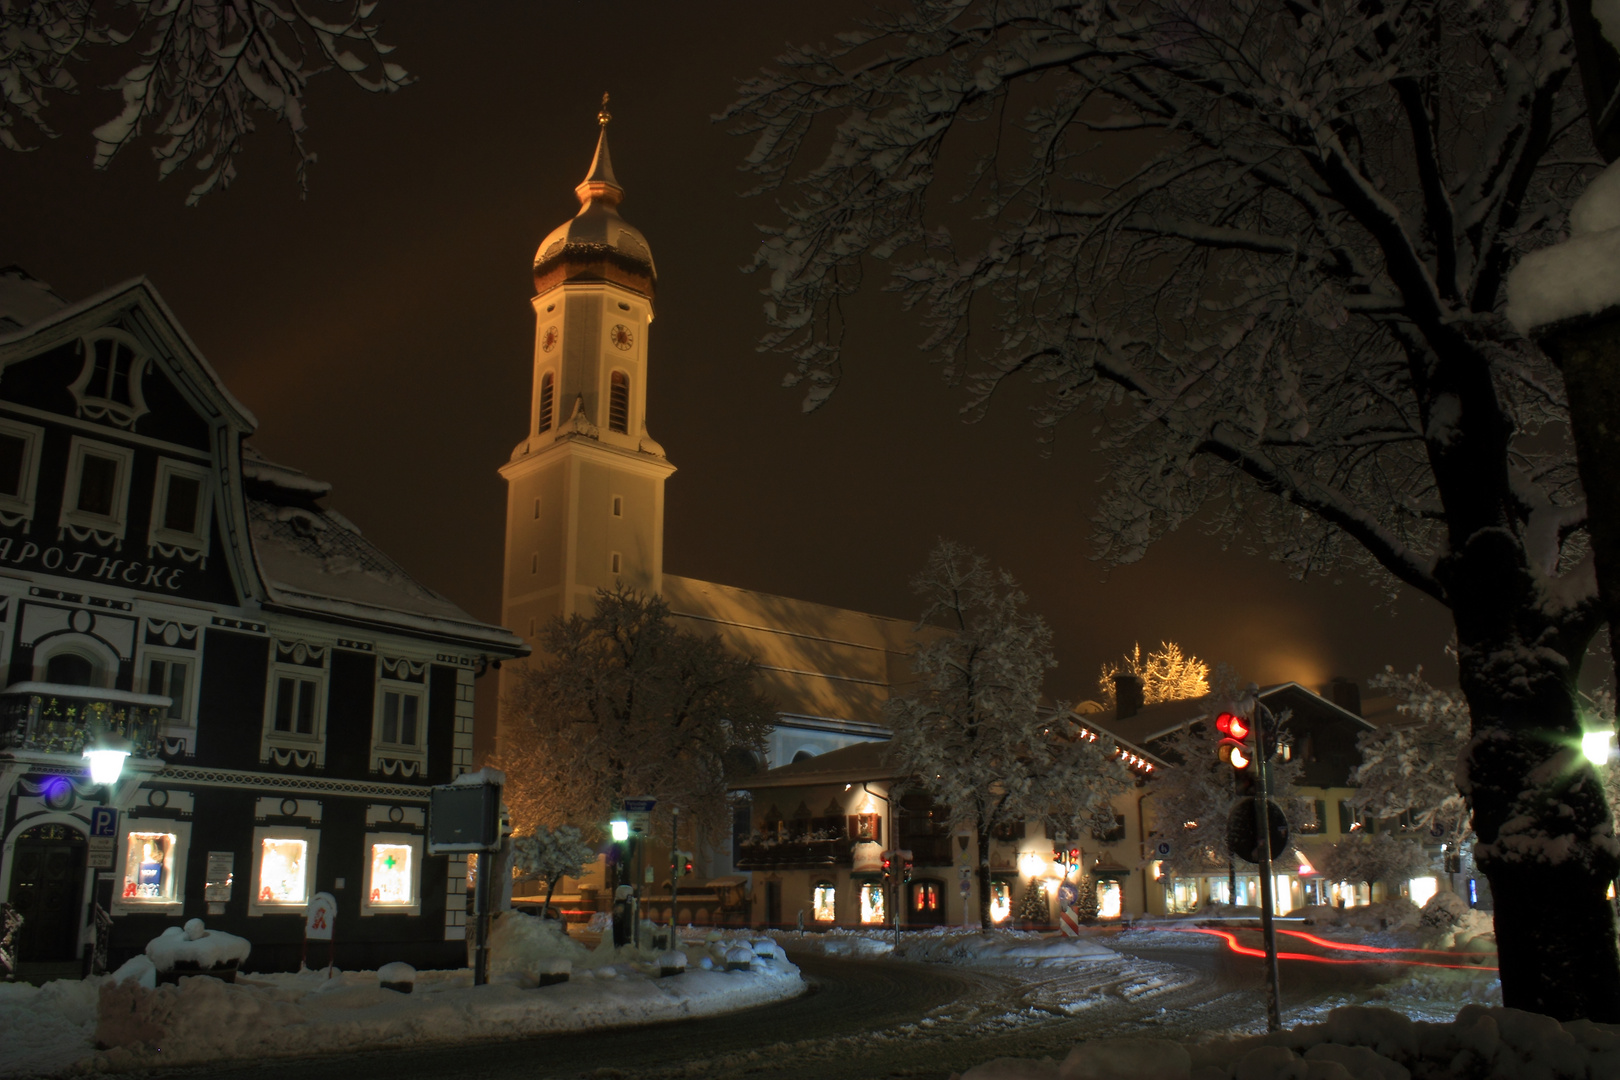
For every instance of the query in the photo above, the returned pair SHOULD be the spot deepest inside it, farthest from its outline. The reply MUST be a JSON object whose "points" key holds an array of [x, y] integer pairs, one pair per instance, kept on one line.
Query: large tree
{"points": [[201, 73], [623, 703], [1260, 246], [972, 731]]}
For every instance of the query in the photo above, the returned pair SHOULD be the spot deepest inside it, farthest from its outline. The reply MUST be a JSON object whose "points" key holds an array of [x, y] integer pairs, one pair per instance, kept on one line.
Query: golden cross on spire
{"points": [[604, 116]]}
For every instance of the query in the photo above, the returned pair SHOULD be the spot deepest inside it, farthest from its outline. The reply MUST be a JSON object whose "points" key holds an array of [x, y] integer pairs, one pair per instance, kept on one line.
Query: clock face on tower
{"points": [[549, 339], [621, 337]]}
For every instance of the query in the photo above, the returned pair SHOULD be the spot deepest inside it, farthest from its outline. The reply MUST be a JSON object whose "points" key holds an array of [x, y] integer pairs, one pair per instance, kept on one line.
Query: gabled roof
{"points": [[191, 371]]}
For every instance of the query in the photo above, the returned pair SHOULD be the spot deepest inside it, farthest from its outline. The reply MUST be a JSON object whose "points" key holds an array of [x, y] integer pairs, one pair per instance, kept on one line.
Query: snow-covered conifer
{"points": [[972, 731]]}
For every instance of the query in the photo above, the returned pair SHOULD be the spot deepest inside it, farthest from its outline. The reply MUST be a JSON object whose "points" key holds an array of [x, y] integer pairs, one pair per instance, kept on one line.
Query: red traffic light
{"points": [[1232, 726], [1074, 855]]}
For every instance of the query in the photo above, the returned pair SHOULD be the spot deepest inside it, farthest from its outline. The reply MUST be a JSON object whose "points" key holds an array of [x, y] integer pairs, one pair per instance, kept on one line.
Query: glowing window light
{"points": [[393, 884], [149, 867], [1109, 900], [872, 904], [1000, 901], [283, 871], [1422, 888], [823, 903]]}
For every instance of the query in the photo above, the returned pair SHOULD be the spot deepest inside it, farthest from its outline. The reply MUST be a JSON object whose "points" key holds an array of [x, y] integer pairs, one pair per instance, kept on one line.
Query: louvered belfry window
{"points": [[547, 394], [619, 404]]}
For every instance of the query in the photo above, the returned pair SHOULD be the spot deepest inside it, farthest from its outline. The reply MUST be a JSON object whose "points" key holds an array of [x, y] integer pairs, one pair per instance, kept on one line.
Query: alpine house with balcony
{"points": [[287, 692]]}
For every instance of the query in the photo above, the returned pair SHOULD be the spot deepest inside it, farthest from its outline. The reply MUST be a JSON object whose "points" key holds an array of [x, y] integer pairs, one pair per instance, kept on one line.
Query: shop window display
{"points": [[872, 908], [1000, 901], [393, 878], [149, 867], [283, 871], [823, 903]]}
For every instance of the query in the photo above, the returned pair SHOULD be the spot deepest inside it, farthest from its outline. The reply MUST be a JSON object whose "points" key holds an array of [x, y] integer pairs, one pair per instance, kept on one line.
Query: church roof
{"points": [[596, 243]]}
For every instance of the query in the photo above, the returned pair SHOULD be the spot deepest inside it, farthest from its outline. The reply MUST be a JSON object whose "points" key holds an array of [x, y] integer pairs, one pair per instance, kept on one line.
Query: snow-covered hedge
{"points": [[1356, 1043], [195, 947]]}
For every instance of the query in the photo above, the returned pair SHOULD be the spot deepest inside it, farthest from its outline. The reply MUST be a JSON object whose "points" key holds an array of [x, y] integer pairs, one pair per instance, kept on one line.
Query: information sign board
{"points": [[320, 917]]}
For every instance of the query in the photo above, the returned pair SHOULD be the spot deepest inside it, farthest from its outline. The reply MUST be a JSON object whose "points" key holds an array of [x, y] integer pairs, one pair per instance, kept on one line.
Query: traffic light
{"points": [[1234, 749], [905, 866], [888, 867]]}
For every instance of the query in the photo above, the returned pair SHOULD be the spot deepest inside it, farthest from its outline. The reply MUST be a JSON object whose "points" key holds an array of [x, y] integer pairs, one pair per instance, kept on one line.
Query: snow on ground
{"points": [[1355, 1043], [953, 944], [56, 1027]]}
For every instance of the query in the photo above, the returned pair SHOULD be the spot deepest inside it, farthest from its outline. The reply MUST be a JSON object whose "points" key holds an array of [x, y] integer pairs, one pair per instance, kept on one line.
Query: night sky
{"points": [[381, 331]]}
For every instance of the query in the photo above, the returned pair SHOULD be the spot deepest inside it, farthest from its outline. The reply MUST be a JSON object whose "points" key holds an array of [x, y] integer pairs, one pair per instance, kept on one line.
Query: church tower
{"points": [[585, 488]]}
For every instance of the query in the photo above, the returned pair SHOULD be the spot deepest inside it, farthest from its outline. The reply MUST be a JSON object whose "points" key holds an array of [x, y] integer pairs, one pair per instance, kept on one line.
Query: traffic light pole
{"points": [[1262, 815]]}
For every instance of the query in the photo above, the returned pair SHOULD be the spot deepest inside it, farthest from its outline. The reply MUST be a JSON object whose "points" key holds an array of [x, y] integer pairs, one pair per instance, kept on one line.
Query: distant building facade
{"points": [[289, 691]]}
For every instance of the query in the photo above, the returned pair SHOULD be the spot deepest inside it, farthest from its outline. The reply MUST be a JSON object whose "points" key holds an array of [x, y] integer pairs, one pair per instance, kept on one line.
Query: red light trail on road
{"points": [[1383, 954]]}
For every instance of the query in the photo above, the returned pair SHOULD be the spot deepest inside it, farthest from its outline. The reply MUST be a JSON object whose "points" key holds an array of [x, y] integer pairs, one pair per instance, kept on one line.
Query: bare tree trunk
{"points": [[551, 887], [982, 835]]}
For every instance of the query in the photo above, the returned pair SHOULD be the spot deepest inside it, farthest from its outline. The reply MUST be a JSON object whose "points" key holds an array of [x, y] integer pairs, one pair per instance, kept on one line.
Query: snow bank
{"points": [[1580, 276], [1356, 1043], [48, 1029], [203, 1020], [946, 943]]}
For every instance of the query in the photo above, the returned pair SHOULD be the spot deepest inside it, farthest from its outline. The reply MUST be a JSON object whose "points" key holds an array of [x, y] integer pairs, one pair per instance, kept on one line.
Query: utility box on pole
{"points": [[464, 817]]}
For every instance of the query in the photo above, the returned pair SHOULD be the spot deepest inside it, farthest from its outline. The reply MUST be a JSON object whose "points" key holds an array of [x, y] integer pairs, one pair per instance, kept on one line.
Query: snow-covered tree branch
{"points": [[207, 68], [1256, 250]]}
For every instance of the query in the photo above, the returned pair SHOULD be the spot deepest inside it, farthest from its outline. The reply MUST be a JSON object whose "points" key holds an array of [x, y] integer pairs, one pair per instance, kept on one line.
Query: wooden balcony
{"points": [[795, 855]]}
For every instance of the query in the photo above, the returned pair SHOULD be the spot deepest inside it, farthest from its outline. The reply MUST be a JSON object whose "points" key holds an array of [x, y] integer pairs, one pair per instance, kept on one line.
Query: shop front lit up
{"points": [[1000, 901], [393, 878], [823, 903], [872, 907], [1110, 899], [149, 868], [283, 871]]}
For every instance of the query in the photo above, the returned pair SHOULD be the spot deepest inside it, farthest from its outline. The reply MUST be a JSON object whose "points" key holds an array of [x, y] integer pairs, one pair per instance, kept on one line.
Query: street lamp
{"points": [[106, 754], [1597, 746], [620, 829]]}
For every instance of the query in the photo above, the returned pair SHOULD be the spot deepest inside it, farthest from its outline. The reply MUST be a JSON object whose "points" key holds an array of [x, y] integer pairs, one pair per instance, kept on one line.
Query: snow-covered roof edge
{"points": [[328, 609], [147, 290]]}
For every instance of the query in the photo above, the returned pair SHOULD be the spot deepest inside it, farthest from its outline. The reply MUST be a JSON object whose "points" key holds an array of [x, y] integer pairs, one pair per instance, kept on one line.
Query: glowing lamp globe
{"points": [[621, 830], [106, 754], [1597, 746]]}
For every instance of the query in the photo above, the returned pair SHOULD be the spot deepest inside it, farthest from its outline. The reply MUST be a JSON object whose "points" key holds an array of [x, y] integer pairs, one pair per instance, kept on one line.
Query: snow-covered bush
{"points": [[671, 963], [519, 944], [553, 970], [739, 959], [397, 976], [1443, 912], [764, 948], [196, 948]]}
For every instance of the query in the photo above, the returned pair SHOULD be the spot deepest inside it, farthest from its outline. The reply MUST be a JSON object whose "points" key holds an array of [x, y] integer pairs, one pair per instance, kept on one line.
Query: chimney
{"points": [[1127, 696], [1346, 694]]}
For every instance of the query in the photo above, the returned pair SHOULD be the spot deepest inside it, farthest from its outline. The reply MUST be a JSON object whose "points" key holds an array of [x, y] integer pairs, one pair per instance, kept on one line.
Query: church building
{"points": [[585, 494]]}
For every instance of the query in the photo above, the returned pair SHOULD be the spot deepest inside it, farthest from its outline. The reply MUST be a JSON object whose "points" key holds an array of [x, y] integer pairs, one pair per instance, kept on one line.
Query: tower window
{"points": [[618, 506], [546, 399], [534, 563], [616, 562], [619, 403], [537, 509]]}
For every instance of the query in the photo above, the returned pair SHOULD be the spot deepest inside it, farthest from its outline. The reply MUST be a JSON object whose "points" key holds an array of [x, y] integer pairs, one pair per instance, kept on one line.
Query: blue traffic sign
{"points": [[103, 821], [639, 806], [1163, 848]]}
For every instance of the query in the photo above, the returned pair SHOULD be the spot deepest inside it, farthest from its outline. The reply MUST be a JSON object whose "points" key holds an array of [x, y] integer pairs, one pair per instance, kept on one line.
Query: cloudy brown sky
{"points": [[381, 332]]}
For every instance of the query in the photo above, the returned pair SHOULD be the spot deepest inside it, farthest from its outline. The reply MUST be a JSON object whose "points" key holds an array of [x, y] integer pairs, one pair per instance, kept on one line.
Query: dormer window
{"points": [[619, 403], [109, 386], [547, 399], [97, 494], [19, 471], [182, 509]]}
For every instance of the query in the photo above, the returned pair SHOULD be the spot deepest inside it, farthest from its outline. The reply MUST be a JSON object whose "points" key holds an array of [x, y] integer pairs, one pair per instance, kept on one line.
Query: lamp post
{"points": [[106, 754]]}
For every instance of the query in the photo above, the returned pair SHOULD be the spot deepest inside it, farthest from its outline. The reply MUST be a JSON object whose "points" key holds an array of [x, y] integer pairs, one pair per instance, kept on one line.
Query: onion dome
{"points": [[596, 244]]}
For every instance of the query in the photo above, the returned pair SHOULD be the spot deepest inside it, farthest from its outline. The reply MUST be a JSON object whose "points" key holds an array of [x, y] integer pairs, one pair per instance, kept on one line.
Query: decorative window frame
{"points": [[312, 853], [19, 509], [143, 664], [192, 547], [97, 407], [104, 661], [290, 660], [81, 524], [545, 412], [414, 842], [181, 831], [629, 402], [400, 676]]}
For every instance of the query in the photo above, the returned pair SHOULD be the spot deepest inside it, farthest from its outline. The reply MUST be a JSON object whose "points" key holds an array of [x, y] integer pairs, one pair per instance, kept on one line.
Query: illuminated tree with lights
{"points": [[1258, 249], [624, 703], [1166, 673], [206, 69], [972, 731]]}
